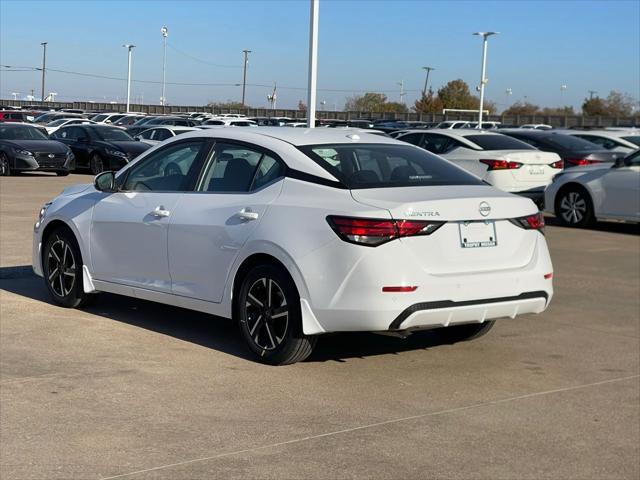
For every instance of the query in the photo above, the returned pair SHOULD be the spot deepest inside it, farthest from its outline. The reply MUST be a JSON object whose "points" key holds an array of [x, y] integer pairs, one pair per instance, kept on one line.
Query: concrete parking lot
{"points": [[131, 389]]}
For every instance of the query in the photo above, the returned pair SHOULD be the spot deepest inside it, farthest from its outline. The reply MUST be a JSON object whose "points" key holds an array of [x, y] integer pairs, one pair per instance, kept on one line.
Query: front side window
{"points": [[237, 168], [169, 169], [381, 165]]}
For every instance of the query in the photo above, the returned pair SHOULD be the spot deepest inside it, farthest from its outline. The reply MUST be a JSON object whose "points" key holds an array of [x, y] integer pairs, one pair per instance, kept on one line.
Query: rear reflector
{"points": [[501, 164], [530, 222], [373, 232], [559, 164], [399, 289], [581, 161], [548, 276]]}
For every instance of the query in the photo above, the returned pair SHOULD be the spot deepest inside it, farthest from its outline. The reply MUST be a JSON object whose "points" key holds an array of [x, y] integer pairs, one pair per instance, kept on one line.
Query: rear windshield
{"points": [[498, 142], [633, 139], [568, 142], [21, 133], [380, 165]]}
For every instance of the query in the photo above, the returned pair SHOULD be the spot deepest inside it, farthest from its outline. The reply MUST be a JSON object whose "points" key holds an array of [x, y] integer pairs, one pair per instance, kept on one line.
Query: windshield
{"points": [[635, 139], [381, 165], [57, 123], [498, 142], [21, 133], [112, 134], [46, 117]]}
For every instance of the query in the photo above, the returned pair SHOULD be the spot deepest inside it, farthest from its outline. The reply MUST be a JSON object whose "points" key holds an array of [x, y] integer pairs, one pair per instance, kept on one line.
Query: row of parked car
{"points": [[518, 160]]}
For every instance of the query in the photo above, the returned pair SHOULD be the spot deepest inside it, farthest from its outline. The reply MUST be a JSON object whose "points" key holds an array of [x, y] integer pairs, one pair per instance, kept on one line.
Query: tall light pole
{"points": [[165, 33], [483, 76], [244, 75], [44, 66], [507, 93], [426, 80], [401, 84], [313, 63], [129, 47], [562, 90]]}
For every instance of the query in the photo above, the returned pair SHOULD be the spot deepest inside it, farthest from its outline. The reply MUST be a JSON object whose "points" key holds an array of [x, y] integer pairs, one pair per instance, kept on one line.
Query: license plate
{"points": [[533, 170], [478, 234]]}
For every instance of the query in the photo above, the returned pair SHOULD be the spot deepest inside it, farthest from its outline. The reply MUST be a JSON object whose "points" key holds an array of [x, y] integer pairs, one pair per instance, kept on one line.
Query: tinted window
{"points": [[232, 169], [379, 165], [112, 134], [498, 142], [167, 169], [162, 134], [635, 139], [602, 141], [633, 160], [21, 133], [147, 134], [438, 144], [69, 133], [568, 142], [412, 138]]}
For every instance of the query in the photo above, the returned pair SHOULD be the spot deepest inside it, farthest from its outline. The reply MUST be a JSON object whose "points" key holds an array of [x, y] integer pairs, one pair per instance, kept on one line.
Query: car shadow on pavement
{"points": [[611, 227], [209, 331]]}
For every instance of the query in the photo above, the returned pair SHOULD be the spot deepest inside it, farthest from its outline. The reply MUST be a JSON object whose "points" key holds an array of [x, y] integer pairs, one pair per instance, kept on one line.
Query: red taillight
{"points": [[548, 276], [530, 222], [559, 164], [581, 161], [501, 164], [401, 289], [374, 232]]}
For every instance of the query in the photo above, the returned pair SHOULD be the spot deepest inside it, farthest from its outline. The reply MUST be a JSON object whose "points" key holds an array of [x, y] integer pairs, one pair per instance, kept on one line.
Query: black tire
{"points": [[272, 324], [62, 173], [62, 269], [5, 168], [574, 207], [466, 332], [96, 164]]}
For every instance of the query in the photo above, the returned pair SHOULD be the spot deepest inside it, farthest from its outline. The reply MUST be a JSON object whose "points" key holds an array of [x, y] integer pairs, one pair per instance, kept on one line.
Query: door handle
{"points": [[247, 214], [160, 212]]}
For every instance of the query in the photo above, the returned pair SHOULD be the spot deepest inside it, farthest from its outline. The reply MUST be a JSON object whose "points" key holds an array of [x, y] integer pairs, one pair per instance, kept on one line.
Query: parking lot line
{"points": [[378, 424]]}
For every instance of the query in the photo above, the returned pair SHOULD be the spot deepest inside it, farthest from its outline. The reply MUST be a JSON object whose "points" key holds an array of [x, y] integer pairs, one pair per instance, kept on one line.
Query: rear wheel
{"points": [[268, 311], [5, 168], [62, 269], [467, 332], [574, 208], [96, 164]]}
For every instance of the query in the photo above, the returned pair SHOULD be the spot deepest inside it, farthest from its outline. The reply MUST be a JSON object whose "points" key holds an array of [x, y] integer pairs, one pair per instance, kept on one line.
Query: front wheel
{"points": [[268, 311], [62, 269], [96, 164], [5, 168], [574, 208], [465, 332]]}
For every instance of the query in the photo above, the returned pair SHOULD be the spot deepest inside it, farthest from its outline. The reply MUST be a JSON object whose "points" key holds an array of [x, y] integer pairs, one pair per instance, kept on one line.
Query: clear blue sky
{"points": [[364, 46]]}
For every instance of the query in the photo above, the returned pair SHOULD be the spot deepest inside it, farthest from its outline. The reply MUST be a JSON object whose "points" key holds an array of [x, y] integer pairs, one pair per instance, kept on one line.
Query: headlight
{"points": [[24, 152], [42, 214], [116, 153]]}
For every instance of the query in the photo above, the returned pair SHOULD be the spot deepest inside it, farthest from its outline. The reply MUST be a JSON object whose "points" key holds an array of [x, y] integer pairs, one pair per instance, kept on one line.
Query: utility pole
{"points": [[426, 80], [562, 89], [483, 76], [44, 66], [401, 83], [129, 47], [244, 75], [313, 63], [591, 94], [165, 33]]}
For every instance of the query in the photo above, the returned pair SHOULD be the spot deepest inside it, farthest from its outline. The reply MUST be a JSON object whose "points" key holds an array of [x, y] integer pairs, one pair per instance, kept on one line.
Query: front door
{"points": [[129, 227], [621, 188]]}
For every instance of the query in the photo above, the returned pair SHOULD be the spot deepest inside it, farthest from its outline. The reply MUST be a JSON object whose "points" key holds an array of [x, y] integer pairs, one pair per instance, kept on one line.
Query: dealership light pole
{"points": [[244, 75], [483, 76], [129, 47], [44, 66], [426, 80], [313, 63], [165, 33]]}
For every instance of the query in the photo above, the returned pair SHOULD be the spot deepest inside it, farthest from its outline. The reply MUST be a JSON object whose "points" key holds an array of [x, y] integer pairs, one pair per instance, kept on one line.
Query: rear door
{"points": [[212, 225]]}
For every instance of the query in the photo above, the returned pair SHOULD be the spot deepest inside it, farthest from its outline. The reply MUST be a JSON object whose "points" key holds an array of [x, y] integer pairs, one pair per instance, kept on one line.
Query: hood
{"points": [[75, 189], [40, 146], [128, 146]]}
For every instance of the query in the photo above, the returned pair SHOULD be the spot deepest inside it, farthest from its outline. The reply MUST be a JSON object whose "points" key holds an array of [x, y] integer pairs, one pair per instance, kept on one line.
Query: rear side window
{"points": [[498, 142], [380, 165], [635, 139]]}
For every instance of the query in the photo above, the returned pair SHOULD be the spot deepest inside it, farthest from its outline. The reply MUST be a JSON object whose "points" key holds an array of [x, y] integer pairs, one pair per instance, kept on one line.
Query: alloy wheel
{"points": [[97, 165], [61, 272], [573, 207], [266, 313], [4, 165]]}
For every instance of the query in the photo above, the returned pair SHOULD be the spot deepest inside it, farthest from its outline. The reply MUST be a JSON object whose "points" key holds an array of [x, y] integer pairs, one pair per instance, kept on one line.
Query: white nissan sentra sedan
{"points": [[294, 233]]}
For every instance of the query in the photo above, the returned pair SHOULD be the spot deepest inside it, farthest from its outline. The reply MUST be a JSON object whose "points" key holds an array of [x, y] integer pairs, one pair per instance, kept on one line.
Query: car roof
{"points": [[459, 133], [604, 133], [300, 136], [172, 127]]}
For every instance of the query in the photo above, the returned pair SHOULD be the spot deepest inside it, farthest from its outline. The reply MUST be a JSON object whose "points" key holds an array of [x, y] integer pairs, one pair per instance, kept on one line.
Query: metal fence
{"points": [[553, 120]]}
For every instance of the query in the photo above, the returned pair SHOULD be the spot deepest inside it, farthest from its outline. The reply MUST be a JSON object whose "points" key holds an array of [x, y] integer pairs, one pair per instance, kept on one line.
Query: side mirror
{"points": [[105, 182]]}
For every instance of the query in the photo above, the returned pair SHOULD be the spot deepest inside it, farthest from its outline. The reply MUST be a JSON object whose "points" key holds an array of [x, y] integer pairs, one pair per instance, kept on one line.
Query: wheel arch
{"points": [[572, 185], [53, 225]]}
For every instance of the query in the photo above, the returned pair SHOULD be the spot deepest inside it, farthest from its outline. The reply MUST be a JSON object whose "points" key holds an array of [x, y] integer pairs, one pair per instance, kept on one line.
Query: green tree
{"points": [[522, 108], [373, 102], [428, 103], [456, 94]]}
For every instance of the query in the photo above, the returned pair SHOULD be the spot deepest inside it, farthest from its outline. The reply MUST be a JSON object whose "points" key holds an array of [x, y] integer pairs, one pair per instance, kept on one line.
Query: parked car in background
{"points": [[25, 148], [420, 243], [155, 135], [265, 121], [452, 124], [502, 161], [230, 122], [61, 122], [485, 125], [99, 147], [108, 118], [536, 126], [623, 140], [127, 120], [574, 151], [16, 116], [49, 117], [143, 124], [602, 191]]}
